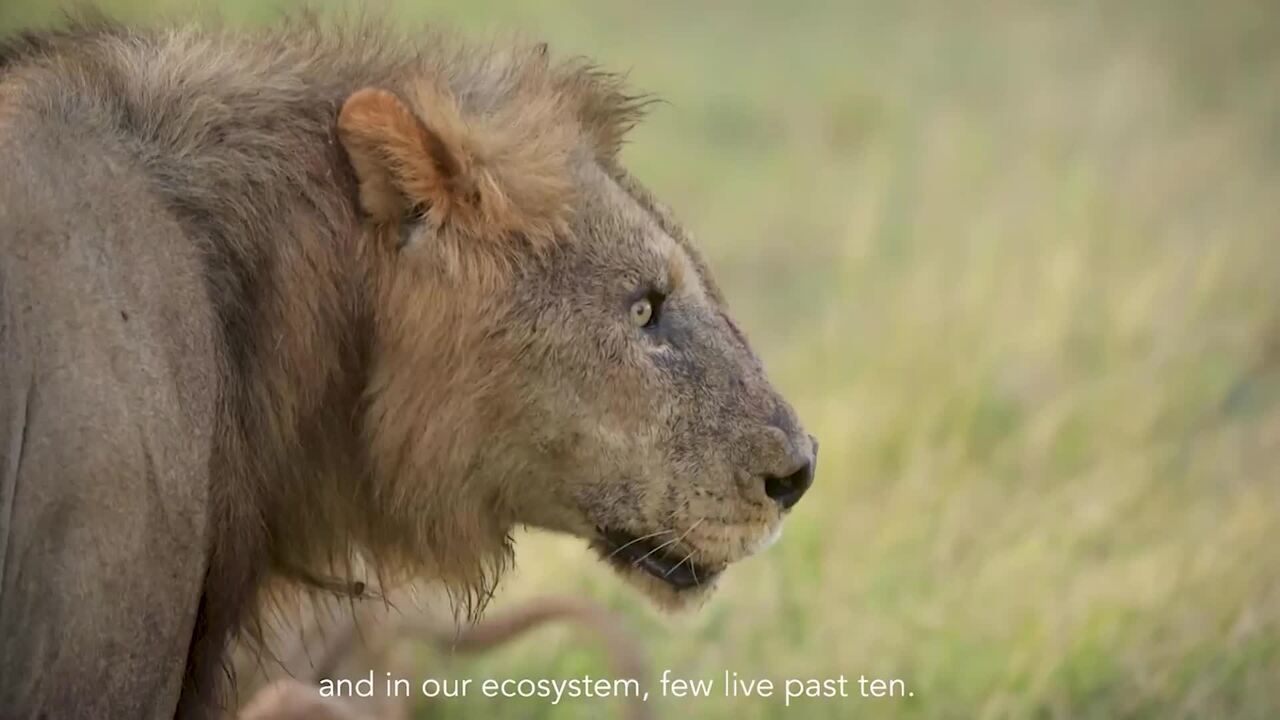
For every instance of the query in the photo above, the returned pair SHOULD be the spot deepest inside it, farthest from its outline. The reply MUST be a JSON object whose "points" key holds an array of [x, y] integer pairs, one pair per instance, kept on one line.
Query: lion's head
{"points": [[550, 350]]}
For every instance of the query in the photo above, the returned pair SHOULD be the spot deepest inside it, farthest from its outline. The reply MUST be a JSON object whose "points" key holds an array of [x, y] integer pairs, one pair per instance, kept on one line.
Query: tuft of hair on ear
{"points": [[399, 161], [503, 175]]}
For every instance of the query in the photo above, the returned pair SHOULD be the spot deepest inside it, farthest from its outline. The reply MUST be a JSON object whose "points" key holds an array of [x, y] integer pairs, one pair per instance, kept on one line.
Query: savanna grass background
{"points": [[1016, 264]]}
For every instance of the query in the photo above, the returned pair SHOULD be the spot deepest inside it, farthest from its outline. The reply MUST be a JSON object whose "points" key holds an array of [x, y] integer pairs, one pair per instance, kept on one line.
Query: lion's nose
{"points": [[786, 490]]}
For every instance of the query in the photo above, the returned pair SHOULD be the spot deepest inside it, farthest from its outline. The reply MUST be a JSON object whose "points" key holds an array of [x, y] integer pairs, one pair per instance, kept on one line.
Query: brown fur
{"points": [[417, 259], [343, 639]]}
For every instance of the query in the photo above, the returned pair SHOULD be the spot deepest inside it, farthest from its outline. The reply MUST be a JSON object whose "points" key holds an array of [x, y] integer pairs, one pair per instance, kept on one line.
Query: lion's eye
{"points": [[642, 312], [646, 311]]}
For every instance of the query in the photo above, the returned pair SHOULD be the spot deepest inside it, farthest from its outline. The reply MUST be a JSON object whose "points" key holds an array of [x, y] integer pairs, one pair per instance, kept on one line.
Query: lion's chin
{"points": [[667, 574], [662, 594]]}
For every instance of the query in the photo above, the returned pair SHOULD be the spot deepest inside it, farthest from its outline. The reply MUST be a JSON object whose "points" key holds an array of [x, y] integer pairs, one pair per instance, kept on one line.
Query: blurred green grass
{"points": [[1016, 265]]}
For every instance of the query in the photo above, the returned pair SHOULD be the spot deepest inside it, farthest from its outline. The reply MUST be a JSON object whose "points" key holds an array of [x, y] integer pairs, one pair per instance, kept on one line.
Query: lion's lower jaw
{"points": [[664, 595]]}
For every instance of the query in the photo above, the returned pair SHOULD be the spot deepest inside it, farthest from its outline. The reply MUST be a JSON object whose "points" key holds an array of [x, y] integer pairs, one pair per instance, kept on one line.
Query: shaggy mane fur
{"points": [[236, 132]]}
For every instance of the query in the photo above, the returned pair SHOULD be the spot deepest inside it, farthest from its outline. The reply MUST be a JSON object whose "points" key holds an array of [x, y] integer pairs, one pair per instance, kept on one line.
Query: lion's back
{"points": [[107, 391]]}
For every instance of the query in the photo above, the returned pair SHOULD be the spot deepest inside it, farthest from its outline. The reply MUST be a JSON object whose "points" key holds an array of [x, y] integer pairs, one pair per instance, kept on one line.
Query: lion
{"points": [[273, 300]]}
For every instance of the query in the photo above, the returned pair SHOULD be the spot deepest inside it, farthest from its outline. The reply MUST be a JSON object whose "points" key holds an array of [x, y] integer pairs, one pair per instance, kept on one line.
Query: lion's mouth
{"points": [[661, 558]]}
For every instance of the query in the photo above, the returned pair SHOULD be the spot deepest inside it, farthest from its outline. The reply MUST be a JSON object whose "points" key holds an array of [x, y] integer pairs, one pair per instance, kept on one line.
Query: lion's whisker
{"points": [[666, 544], [683, 506], [693, 566], [682, 561], [629, 543], [669, 543], [692, 527]]}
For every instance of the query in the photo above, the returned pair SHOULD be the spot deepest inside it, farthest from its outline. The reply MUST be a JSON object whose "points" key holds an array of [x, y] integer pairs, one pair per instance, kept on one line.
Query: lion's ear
{"points": [[402, 162]]}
